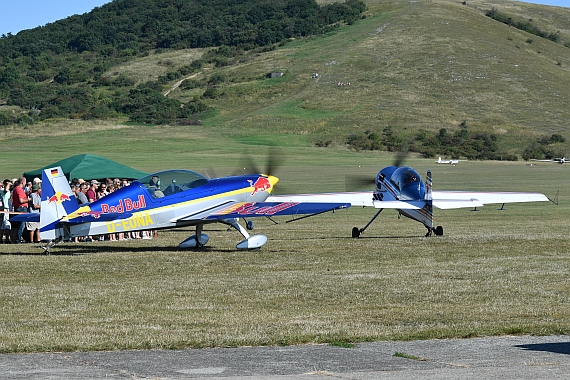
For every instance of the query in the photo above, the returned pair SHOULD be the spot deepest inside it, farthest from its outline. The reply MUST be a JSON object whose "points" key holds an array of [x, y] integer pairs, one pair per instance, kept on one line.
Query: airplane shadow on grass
{"points": [[557, 348], [84, 248]]}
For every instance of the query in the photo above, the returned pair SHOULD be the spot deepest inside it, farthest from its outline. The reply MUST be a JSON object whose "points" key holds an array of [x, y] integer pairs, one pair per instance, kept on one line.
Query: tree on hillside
{"points": [[38, 65]]}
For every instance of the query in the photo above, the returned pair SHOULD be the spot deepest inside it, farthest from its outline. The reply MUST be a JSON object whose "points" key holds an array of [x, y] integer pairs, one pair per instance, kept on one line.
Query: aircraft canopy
{"points": [[170, 182]]}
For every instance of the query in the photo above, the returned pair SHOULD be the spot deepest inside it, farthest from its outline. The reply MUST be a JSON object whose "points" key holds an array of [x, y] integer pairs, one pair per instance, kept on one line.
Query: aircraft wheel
{"points": [[439, 231], [355, 232], [249, 225]]}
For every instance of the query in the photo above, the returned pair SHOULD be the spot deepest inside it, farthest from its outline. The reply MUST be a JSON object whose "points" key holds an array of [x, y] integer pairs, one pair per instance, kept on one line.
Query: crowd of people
{"points": [[21, 196]]}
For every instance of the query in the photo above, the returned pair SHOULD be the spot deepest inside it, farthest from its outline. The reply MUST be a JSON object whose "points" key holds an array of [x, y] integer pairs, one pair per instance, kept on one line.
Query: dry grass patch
{"points": [[311, 283], [154, 65]]}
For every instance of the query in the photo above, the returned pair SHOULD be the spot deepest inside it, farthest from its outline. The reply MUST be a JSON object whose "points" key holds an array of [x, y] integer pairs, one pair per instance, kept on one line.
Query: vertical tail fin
{"points": [[57, 201], [428, 197]]}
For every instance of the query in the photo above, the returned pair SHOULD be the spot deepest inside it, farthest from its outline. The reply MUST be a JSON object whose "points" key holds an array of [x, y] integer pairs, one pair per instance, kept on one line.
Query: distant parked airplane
{"points": [[451, 162], [560, 160]]}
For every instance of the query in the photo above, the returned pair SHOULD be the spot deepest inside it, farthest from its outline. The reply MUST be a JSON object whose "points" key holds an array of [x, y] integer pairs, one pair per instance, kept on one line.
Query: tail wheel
{"points": [[439, 231], [355, 232]]}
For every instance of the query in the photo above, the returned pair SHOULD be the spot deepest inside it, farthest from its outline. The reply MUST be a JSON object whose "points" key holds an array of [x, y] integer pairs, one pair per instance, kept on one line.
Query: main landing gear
{"points": [[52, 243], [436, 230], [250, 242], [356, 232]]}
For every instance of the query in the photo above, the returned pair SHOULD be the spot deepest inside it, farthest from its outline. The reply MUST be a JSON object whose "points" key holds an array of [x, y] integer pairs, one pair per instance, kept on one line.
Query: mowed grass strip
{"points": [[492, 273]]}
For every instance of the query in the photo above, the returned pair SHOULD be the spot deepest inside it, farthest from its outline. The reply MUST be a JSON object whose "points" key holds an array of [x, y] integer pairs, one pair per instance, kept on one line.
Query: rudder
{"points": [[57, 202], [429, 198]]}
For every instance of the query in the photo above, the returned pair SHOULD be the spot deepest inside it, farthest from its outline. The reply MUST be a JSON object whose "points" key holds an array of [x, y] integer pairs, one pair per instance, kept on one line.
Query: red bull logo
{"points": [[95, 214], [253, 209], [58, 198], [261, 184]]}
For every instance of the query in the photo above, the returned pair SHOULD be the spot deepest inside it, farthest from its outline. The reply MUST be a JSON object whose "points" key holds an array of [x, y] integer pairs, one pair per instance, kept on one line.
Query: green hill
{"points": [[412, 66], [400, 76]]}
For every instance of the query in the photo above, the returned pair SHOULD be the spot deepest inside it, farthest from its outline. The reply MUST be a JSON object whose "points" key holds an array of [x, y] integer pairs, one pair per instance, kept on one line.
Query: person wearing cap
{"points": [[39, 182], [92, 192], [35, 206]]}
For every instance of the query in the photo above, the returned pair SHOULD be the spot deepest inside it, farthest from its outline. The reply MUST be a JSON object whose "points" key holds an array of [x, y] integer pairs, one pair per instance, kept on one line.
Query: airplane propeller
{"points": [[365, 182], [400, 158], [248, 166], [359, 182]]}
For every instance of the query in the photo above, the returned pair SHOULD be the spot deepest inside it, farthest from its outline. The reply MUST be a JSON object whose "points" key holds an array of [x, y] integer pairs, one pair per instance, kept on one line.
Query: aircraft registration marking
{"points": [[134, 222]]}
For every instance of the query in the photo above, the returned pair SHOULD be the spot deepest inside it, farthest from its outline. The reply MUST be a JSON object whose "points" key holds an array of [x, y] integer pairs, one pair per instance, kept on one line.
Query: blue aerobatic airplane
{"points": [[401, 188], [167, 199]]}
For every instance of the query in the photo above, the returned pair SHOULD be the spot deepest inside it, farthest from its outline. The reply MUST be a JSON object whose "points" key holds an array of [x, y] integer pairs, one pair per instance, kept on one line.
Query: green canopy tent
{"points": [[88, 167]]}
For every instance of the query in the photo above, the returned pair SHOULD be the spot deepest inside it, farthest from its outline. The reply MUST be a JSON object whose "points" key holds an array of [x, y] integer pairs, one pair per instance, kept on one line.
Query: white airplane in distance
{"points": [[562, 160], [451, 162]]}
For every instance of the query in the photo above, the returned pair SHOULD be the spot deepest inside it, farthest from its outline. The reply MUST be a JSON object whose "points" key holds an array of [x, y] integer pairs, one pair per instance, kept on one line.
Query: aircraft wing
{"points": [[354, 198], [256, 209], [441, 199], [364, 199], [458, 199]]}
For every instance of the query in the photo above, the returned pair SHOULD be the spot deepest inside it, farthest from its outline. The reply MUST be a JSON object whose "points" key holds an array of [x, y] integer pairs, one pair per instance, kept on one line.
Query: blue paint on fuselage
{"points": [[199, 187], [401, 183]]}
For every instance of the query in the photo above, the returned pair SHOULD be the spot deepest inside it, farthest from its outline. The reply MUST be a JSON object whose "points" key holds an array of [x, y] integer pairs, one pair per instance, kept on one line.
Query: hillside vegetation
{"points": [[427, 75]]}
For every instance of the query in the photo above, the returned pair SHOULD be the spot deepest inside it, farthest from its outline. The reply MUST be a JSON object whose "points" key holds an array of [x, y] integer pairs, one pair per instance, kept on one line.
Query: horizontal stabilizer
{"points": [[27, 217], [400, 205], [94, 216]]}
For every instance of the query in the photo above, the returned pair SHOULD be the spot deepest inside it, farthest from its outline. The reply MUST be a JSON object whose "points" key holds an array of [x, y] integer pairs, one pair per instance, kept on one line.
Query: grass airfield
{"points": [[492, 273]]}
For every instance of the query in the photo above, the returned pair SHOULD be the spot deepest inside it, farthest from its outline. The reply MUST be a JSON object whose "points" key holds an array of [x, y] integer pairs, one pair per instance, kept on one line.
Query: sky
{"points": [[27, 14], [559, 3]]}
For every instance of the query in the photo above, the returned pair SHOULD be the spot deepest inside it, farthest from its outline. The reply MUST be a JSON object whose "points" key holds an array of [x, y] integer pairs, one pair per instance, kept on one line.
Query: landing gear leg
{"points": [[357, 231], [199, 229], [437, 230], [52, 243], [250, 242], [196, 241]]}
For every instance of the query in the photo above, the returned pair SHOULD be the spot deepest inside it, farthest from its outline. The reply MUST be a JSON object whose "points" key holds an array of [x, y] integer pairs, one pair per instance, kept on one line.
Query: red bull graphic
{"points": [[58, 198], [95, 214], [125, 205], [253, 209], [261, 184]]}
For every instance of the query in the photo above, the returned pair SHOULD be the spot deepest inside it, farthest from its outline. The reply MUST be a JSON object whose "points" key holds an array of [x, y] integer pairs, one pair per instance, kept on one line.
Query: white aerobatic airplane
{"points": [[401, 188]]}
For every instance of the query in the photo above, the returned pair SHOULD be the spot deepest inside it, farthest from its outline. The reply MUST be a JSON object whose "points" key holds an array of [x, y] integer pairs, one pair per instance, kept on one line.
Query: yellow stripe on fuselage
{"points": [[84, 209]]}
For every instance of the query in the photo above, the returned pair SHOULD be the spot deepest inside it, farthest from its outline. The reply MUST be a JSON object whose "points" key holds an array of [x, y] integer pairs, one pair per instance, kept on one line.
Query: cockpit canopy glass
{"points": [[404, 176], [170, 182]]}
